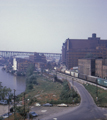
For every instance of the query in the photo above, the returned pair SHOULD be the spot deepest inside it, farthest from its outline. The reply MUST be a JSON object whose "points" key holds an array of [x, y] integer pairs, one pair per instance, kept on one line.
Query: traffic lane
{"points": [[87, 109], [88, 103], [81, 114], [86, 100]]}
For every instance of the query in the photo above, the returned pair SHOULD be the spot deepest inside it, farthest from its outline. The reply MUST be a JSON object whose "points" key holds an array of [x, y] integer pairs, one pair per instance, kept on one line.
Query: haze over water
{"points": [[14, 82]]}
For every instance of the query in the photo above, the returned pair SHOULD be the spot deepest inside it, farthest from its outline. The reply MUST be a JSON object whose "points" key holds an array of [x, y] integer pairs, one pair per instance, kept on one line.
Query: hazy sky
{"points": [[43, 25]]}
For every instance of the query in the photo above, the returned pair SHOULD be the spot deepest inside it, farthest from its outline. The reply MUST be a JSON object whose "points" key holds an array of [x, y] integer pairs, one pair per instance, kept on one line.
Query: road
{"points": [[87, 110]]}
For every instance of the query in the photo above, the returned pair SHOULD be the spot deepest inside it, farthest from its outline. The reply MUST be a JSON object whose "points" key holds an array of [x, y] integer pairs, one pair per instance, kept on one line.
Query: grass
{"points": [[102, 95], [46, 90]]}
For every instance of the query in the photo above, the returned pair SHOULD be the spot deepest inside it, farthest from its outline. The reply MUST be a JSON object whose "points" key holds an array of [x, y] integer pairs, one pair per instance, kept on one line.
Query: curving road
{"points": [[87, 110]]}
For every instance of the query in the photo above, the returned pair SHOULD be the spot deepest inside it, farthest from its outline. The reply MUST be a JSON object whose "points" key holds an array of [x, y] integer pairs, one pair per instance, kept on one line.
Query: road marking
{"points": [[55, 118], [43, 110], [105, 115]]}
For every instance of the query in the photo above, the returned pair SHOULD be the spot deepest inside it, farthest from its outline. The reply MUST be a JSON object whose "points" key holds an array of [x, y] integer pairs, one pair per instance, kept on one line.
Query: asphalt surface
{"points": [[87, 110]]}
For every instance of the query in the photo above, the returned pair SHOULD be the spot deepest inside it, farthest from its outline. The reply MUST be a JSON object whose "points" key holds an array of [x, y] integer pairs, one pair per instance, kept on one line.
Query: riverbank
{"points": [[14, 82]]}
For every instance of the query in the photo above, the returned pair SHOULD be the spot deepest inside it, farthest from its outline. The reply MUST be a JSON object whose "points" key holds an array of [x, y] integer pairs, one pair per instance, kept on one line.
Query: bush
{"points": [[30, 87], [20, 110], [32, 100], [68, 95], [1, 118]]}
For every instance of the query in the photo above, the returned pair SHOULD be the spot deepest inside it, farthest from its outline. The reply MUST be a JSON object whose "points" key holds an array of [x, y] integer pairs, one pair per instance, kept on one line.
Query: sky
{"points": [[44, 25]]}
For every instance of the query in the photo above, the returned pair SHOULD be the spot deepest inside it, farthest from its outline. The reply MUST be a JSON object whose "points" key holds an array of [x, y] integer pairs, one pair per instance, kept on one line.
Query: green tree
{"points": [[32, 79], [67, 94], [4, 92], [30, 69], [30, 87], [20, 110]]}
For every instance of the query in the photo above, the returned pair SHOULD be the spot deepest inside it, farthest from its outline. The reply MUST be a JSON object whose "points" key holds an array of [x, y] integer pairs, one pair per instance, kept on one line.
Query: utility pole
{"points": [[14, 104], [96, 91], [0, 84], [28, 108], [24, 105], [73, 88], [0, 88]]}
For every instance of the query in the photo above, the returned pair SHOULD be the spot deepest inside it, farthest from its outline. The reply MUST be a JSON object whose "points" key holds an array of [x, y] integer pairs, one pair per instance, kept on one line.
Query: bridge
{"points": [[22, 53]]}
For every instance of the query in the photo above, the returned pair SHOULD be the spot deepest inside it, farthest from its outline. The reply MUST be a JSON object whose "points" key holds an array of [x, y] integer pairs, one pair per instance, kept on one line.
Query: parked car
{"points": [[33, 114], [6, 115], [37, 104], [3, 102], [47, 105], [62, 105]]}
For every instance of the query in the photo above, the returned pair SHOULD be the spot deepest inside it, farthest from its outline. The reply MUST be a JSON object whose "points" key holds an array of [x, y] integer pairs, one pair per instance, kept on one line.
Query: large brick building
{"points": [[101, 68], [86, 66], [37, 58], [74, 49], [20, 64], [95, 67]]}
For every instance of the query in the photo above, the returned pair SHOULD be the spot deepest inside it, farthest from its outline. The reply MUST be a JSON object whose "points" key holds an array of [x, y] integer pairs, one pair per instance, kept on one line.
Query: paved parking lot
{"points": [[44, 112]]}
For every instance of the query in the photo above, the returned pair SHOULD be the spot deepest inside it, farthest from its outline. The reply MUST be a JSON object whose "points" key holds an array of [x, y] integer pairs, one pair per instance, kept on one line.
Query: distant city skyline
{"points": [[44, 25]]}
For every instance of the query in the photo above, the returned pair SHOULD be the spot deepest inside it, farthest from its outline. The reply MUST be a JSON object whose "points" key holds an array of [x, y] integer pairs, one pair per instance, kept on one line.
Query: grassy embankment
{"points": [[102, 95], [48, 91], [42, 89]]}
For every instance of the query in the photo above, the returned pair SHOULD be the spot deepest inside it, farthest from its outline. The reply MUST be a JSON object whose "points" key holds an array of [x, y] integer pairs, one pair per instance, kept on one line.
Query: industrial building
{"points": [[101, 68], [74, 49], [95, 67], [38, 60], [86, 66], [20, 64]]}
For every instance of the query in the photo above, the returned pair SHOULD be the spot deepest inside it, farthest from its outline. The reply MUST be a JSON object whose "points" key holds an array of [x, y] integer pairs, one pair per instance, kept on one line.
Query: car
{"points": [[37, 104], [6, 115], [33, 114], [3, 102], [62, 105], [47, 105]]}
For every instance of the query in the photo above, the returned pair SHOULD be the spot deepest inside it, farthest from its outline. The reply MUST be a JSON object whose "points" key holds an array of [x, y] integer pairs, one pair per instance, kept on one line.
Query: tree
{"points": [[32, 79], [4, 92], [30, 70], [30, 87], [20, 110]]}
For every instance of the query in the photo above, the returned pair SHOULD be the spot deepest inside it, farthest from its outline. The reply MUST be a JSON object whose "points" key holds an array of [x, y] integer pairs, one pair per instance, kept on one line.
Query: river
{"points": [[14, 82]]}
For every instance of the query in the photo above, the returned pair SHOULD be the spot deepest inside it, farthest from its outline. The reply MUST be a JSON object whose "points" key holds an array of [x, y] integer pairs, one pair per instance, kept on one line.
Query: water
{"points": [[14, 82]]}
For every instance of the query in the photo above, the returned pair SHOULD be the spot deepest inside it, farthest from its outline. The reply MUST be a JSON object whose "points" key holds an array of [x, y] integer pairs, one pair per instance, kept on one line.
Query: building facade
{"points": [[37, 58], [101, 68], [86, 66], [74, 49], [20, 64], [95, 67]]}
